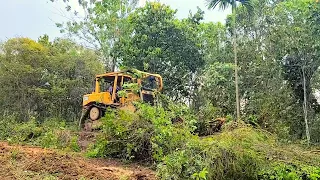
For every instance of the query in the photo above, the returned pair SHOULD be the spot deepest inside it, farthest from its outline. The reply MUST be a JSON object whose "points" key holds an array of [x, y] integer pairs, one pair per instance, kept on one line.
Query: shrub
{"points": [[6, 127], [125, 135], [24, 132], [148, 134], [58, 134], [73, 145], [229, 155]]}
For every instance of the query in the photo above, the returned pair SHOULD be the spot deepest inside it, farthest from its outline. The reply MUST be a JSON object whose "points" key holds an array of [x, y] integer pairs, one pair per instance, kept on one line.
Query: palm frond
{"points": [[223, 4], [248, 4], [212, 4]]}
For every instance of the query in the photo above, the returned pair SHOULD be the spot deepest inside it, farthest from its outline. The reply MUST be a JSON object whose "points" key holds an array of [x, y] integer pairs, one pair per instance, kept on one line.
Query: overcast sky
{"points": [[33, 18]]}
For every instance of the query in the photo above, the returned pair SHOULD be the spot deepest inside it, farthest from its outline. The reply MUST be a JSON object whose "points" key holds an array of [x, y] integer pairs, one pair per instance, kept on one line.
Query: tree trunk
{"points": [[305, 105], [114, 64], [235, 58]]}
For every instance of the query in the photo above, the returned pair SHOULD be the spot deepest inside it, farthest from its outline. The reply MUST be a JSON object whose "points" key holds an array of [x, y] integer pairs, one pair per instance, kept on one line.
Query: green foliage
{"points": [[100, 25], [201, 175], [15, 154], [218, 86], [179, 112], [98, 149], [301, 51], [148, 134], [45, 79], [207, 113], [273, 44], [52, 133], [164, 47], [195, 58], [242, 153], [135, 87], [42, 82], [314, 129], [237, 153], [230, 155], [224, 4], [290, 172]]}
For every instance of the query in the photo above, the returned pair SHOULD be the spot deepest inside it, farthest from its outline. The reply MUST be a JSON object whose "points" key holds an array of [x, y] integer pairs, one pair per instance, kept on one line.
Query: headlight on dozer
{"points": [[85, 98]]}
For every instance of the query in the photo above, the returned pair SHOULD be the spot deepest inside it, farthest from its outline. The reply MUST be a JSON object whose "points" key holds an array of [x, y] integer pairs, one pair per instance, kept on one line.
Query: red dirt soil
{"points": [[25, 162]]}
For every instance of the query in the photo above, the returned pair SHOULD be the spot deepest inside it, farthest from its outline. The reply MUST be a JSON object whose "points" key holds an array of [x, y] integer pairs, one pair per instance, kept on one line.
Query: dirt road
{"points": [[25, 162]]}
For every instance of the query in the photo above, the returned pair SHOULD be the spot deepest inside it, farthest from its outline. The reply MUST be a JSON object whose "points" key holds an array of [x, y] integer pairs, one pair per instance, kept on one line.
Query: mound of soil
{"points": [[24, 162]]}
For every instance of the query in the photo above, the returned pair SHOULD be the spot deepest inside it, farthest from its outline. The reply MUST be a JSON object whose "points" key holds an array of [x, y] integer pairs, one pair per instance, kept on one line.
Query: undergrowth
{"points": [[239, 152], [52, 133]]}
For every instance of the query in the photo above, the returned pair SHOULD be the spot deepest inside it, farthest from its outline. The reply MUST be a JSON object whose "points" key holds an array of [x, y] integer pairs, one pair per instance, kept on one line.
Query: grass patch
{"points": [[52, 133]]}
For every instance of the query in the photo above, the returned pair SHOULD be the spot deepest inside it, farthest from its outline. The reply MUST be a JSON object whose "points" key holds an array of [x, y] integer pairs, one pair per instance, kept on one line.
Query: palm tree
{"points": [[224, 4]]}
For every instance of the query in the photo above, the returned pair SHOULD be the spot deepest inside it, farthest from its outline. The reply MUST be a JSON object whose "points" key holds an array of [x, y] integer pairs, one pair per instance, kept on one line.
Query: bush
{"points": [[229, 155], [315, 129], [23, 132], [57, 134], [148, 134], [125, 135], [6, 127]]}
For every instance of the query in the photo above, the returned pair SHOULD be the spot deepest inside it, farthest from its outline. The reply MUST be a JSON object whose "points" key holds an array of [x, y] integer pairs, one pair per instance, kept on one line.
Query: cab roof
{"points": [[126, 73]]}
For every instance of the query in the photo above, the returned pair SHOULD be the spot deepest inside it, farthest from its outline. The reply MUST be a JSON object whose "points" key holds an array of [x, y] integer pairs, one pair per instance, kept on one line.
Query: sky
{"points": [[33, 18]]}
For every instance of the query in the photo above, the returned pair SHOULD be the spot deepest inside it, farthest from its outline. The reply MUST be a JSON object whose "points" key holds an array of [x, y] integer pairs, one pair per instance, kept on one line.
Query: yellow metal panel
{"points": [[103, 97], [97, 88]]}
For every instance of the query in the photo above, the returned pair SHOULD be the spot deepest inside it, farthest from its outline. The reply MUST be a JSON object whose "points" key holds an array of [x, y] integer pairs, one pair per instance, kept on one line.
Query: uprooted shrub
{"points": [[148, 134], [207, 119]]}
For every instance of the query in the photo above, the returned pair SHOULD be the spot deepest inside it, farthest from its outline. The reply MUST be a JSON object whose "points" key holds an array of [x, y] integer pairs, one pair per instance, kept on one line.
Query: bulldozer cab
{"points": [[109, 86]]}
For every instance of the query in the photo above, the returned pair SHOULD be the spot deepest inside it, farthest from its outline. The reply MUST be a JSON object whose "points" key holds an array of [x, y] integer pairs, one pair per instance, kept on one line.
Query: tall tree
{"points": [[99, 24], [293, 34], [223, 4], [160, 43], [273, 46]]}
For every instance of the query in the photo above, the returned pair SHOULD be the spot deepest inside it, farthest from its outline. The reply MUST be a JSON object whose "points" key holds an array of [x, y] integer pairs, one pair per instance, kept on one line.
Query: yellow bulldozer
{"points": [[119, 90]]}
